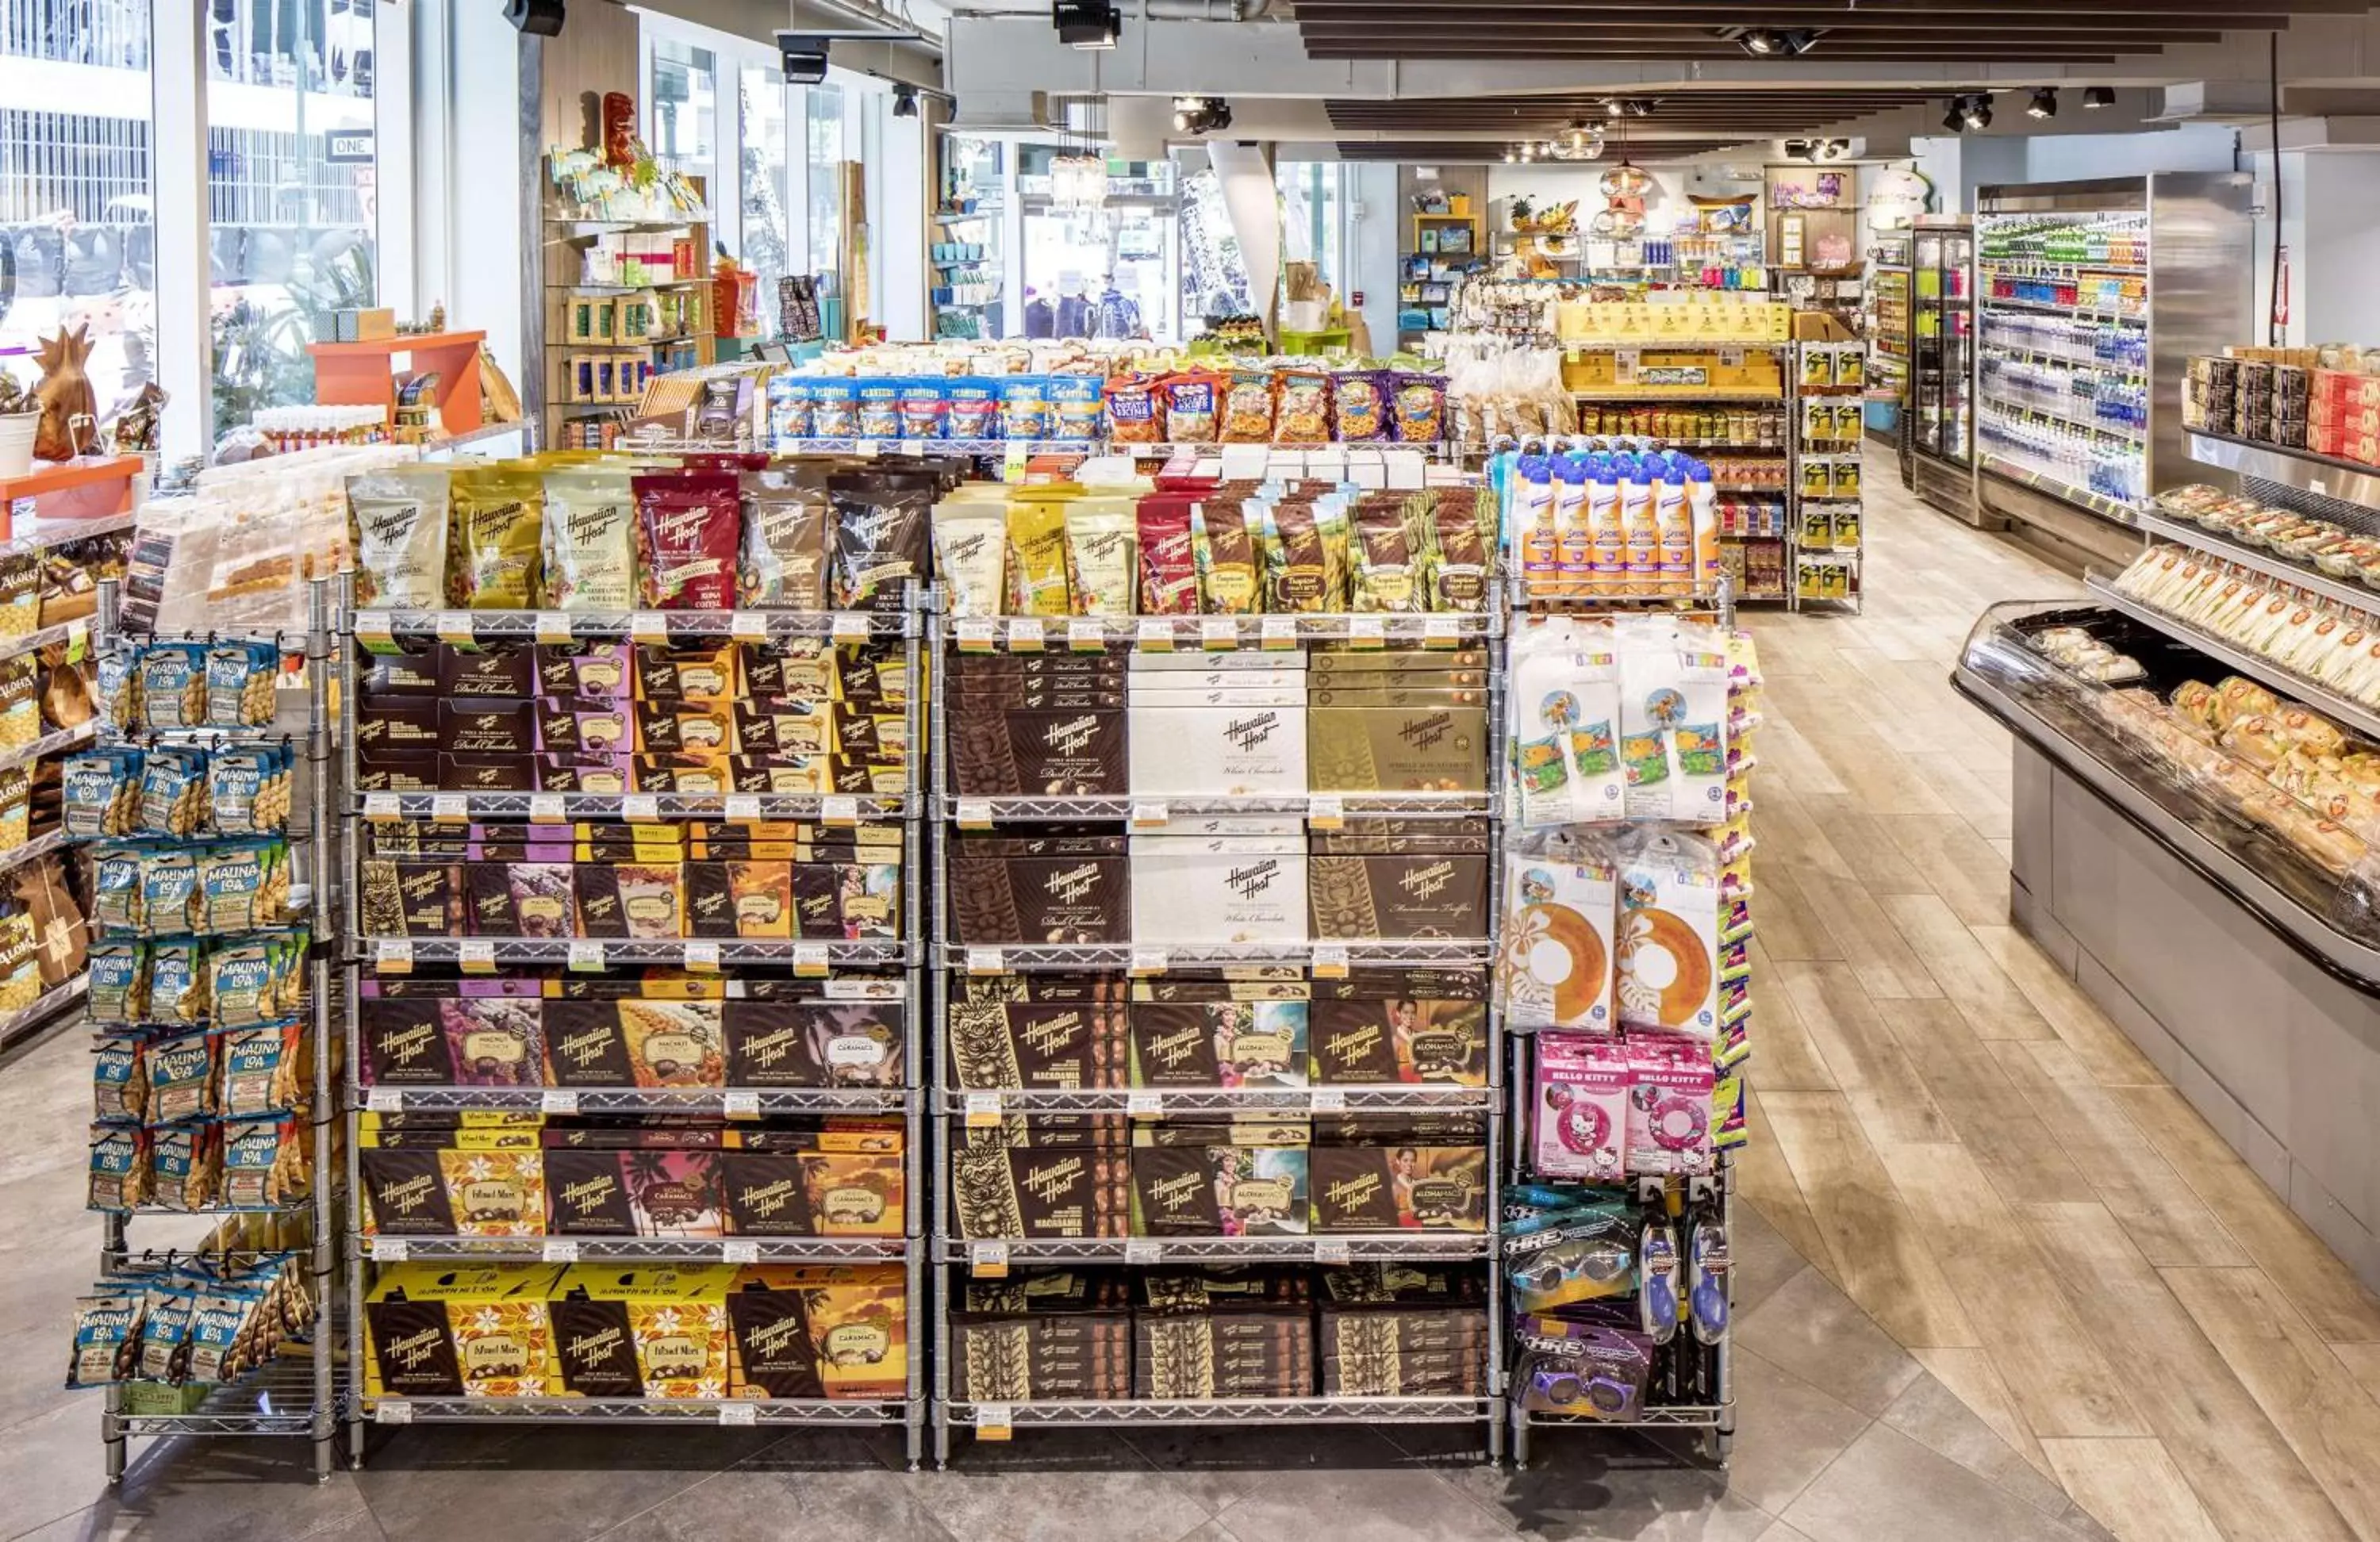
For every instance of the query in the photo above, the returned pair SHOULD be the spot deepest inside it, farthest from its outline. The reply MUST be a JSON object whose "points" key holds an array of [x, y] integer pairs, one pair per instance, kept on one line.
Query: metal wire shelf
{"points": [[1164, 1102], [395, 955], [541, 807], [641, 1250], [1324, 958], [1219, 632], [730, 1412], [1158, 809], [473, 627], [991, 1255], [717, 1102], [276, 1400], [1189, 1411]]}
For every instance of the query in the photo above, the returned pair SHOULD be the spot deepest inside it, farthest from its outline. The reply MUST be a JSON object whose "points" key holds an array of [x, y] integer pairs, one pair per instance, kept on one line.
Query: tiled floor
{"points": [[1999, 1281]]}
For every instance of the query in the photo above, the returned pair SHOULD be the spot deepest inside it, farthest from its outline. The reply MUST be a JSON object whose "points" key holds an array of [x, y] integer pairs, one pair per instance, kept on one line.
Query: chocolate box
{"points": [[1074, 753], [1423, 894], [1055, 1046], [812, 1329], [1219, 889], [1401, 1038], [1228, 748], [1392, 1188], [1219, 1191], [1191, 1357], [1000, 1191], [1207, 1044], [596, 671], [410, 899], [790, 1044], [1075, 1357], [404, 1043], [1395, 749], [587, 1193], [1051, 890]]}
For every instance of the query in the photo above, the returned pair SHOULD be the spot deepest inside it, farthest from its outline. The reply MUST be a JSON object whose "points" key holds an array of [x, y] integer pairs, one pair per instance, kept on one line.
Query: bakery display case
{"points": [[2090, 298]]}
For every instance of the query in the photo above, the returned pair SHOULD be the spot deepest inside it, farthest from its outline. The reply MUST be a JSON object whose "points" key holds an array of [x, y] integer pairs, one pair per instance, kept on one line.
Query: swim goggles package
{"points": [[1582, 1368], [1562, 1259]]}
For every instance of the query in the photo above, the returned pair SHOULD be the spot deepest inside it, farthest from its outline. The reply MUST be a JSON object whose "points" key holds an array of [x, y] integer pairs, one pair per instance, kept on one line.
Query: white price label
{"points": [[451, 807], [1330, 1099], [1144, 1104], [738, 1415], [975, 634], [985, 961], [381, 806], [649, 627], [743, 806], [393, 957], [748, 627], [1325, 810], [391, 1250], [455, 626], [1154, 633], [739, 1250], [1368, 630], [1730, 359], [1148, 961], [862, 447], [987, 1259], [558, 1099], [477, 955], [703, 957], [558, 1250], [1218, 631], [994, 1421], [586, 957], [553, 626], [838, 809], [1332, 1250], [1150, 813], [974, 813], [1085, 634], [810, 958], [1331, 960], [1279, 631], [2318, 486], [643, 807], [1441, 631], [546, 808], [1025, 632], [1147, 451], [385, 1099], [982, 1109], [849, 627], [1623, 366], [392, 1410], [742, 1104], [1143, 1250]]}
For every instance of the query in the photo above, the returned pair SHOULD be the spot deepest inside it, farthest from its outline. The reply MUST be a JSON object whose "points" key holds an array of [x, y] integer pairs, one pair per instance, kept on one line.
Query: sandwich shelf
{"points": [[1006, 995], [252, 1141], [733, 1141]]}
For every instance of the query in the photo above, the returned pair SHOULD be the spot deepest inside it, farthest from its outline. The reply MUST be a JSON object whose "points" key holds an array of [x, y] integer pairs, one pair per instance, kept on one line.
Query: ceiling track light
{"points": [[1975, 110], [1953, 117], [2044, 103], [1088, 24], [2095, 97], [536, 19]]}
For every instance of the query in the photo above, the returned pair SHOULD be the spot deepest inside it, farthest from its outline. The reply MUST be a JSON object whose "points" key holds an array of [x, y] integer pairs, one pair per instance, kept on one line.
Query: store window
{"points": [[829, 145], [765, 185], [684, 133], [1312, 221], [76, 244], [1214, 272], [292, 189], [1099, 254]]}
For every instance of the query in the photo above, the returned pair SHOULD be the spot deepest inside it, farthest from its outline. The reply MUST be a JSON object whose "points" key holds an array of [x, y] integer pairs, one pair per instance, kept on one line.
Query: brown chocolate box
{"points": [[1079, 753], [1050, 891], [1060, 1046], [1424, 894], [1002, 1191], [1389, 1188], [1394, 749]]}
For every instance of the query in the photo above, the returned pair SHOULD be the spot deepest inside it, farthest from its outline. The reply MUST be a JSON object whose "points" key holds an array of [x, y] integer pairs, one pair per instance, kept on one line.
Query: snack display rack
{"points": [[1754, 471], [1709, 1195], [1828, 473], [1152, 959], [296, 1391], [2089, 298], [894, 974], [1888, 329]]}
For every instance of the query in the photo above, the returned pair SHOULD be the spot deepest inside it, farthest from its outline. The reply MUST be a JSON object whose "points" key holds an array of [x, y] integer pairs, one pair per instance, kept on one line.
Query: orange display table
{"points": [[364, 375], [91, 488]]}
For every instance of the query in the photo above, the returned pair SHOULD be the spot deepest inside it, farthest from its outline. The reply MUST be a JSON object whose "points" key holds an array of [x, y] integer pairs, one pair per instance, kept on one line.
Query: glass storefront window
{"points": [[1311, 221], [684, 134], [830, 146], [766, 183], [1102, 267], [76, 244], [1214, 274], [292, 191]]}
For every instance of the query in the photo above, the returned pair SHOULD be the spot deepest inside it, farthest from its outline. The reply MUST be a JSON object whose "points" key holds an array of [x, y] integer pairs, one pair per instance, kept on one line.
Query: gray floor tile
{"points": [[1584, 1484], [1932, 1415], [51, 1466], [1889, 1485], [758, 1504], [1211, 1531], [1394, 1506], [1786, 1432], [1781, 1532], [1763, 1260], [1812, 1329], [1217, 1467], [1055, 1487], [544, 1485]]}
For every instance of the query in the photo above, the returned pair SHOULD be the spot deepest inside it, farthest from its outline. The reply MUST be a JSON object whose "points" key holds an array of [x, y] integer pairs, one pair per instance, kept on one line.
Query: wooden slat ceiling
{"points": [[2080, 31], [1462, 153], [1721, 117]]}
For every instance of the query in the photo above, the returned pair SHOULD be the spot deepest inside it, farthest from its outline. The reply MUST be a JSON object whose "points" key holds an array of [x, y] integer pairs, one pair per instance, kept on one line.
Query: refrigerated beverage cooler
{"points": [[1938, 447]]}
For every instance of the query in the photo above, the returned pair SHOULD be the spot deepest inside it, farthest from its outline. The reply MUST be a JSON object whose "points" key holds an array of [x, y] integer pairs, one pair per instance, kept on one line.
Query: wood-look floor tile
{"points": [[2110, 1058], [1983, 805], [1969, 978], [2164, 1218], [1884, 1262], [2132, 1489], [1975, 1381], [1968, 875], [2306, 1392], [1790, 1059], [1994, 1121], [1879, 1083], [2243, 1471], [1787, 832], [1765, 1181], [2049, 1361], [1871, 945], [2333, 1300], [1782, 915]]}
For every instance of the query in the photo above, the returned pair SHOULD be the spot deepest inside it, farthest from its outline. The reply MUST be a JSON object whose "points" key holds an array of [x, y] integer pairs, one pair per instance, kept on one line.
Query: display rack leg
{"points": [[1520, 1438]]}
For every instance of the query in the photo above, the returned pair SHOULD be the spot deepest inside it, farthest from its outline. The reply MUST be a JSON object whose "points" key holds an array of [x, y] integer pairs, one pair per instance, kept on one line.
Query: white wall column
{"points": [[178, 189]]}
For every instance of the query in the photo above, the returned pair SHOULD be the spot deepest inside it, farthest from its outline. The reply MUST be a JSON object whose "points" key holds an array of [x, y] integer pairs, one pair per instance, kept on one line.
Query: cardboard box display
{"points": [[1420, 894], [1002, 1191], [1217, 889], [1228, 747], [1393, 1189], [1219, 1191], [1394, 749], [1386, 1040], [1053, 1046], [1210, 1044]]}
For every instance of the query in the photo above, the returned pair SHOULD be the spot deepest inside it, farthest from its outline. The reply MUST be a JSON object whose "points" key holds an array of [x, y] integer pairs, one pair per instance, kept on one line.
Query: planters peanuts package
{"points": [[971, 409], [1077, 404], [922, 409], [790, 402], [880, 408], [834, 408], [1024, 411]]}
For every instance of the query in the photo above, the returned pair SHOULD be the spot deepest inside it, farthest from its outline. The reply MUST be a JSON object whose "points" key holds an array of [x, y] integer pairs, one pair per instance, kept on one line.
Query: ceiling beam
{"points": [[1531, 13], [1894, 53], [1665, 34]]}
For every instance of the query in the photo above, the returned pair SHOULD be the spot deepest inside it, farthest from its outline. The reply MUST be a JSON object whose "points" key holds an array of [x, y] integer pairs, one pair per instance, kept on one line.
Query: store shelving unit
{"points": [[1829, 529], [565, 234], [1889, 262], [297, 1393], [2089, 299], [956, 1109], [896, 975]]}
